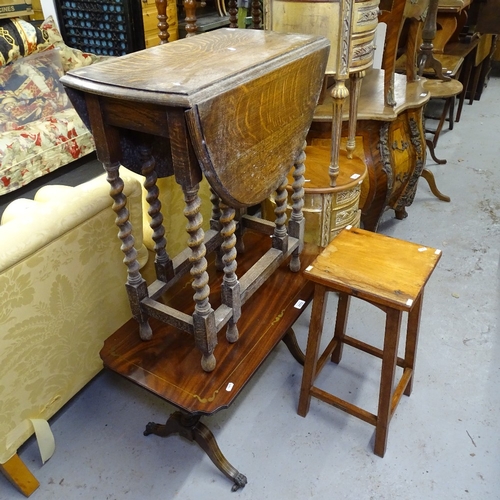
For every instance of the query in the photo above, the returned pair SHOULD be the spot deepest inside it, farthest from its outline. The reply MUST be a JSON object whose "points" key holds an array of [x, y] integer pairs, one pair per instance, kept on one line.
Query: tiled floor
{"points": [[444, 440]]}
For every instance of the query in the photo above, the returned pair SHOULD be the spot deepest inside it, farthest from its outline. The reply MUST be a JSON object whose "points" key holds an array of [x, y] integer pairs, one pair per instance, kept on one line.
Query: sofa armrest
{"points": [[28, 225]]}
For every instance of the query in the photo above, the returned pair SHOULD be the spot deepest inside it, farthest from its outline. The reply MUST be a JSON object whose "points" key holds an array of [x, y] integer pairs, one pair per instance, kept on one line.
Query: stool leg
{"points": [[451, 113], [430, 145], [465, 82], [446, 108], [475, 81], [412, 340], [389, 359], [312, 350], [340, 326]]}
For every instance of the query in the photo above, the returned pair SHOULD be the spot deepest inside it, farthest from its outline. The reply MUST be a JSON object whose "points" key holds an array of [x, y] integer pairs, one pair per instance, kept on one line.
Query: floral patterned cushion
{"points": [[39, 129], [32, 90], [71, 58], [41, 147], [19, 38]]}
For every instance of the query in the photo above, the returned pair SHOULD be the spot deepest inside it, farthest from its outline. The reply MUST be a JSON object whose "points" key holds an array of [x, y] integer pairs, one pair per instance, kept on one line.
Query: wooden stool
{"points": [[388, 273]]}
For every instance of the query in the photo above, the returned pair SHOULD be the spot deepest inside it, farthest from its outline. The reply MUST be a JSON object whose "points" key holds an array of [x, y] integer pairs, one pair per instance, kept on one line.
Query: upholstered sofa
{"points": [[62, 293], [39, 128]]}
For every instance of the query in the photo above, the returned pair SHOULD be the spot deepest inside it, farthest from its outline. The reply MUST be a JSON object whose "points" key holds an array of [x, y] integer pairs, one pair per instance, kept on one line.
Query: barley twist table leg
{"points": [[136, 285], [256, 14], [233, 13], [161, 9], [280, 236], [205, 333], [190, 19], [216, 225], [163, 264], [296, 226], [230, 284]]}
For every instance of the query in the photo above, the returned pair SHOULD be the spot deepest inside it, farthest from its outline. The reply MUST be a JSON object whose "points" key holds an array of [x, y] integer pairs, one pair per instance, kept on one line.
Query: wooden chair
{"points": [[361, 264], [392, 13]]}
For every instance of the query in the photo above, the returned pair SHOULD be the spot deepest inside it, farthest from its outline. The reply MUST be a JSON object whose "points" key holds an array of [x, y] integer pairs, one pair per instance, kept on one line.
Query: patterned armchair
{"points": [[40, 130], [62, 293]]}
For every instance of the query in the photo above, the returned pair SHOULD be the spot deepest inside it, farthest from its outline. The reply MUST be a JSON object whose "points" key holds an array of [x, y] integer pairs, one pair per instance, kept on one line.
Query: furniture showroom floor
{"points": [[444, 440]]}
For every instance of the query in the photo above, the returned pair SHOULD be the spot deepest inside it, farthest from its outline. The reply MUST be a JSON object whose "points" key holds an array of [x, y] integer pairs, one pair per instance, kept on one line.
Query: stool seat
{"points": [[374, 267], [440, 89], [390, 274]]}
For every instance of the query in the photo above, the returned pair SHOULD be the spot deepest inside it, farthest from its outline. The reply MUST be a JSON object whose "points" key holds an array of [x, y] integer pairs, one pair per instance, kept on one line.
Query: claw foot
{"points": [[240, 481], [150, 428]]}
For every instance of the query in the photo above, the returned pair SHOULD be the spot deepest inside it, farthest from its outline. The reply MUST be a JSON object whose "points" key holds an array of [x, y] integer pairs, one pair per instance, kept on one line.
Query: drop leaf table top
{"points": [[247, 96]]}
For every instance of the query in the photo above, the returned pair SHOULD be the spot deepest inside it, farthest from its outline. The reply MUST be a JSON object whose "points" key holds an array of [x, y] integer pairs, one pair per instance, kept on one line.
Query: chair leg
{"points": [[441, 121], [475, 82], [19, 475], [312, 349], [389, 360], [340, 326], [412, 340], [430, 145], [467, 73], [451, 114]]}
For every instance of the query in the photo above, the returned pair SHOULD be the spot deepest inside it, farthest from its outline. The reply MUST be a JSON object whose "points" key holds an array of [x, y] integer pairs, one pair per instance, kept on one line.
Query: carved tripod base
{"points": [[290, 340], [432, 152], [189, 427], [429, 177]]}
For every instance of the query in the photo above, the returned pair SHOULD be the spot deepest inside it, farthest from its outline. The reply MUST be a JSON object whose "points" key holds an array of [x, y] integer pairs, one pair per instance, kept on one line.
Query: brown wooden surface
{"points": [[247, 96], [168, 365], [488, 20], [263, 125], [317, 161], [362, 264], [191, 70], [394, 19], [442, 90], [393, 144], [371, 99]]}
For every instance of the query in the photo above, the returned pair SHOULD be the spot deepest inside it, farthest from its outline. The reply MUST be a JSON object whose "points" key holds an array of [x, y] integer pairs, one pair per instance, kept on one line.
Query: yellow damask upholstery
{"points": [[62, 294]]}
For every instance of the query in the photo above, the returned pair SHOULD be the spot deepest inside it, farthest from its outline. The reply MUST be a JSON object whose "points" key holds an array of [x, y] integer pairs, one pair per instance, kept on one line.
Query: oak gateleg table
{"points": [[233, 106]]}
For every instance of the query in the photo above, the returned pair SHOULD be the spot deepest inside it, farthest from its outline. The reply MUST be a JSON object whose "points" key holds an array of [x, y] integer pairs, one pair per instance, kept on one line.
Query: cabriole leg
{"points": [[190, 428]]}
